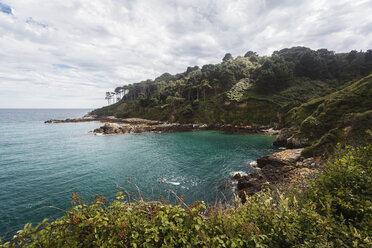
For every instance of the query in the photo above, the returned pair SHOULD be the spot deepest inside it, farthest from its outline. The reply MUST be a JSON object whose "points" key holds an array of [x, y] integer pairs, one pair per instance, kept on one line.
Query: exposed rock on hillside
{"points": [[283, 158], [289, 138], [279, 168]]}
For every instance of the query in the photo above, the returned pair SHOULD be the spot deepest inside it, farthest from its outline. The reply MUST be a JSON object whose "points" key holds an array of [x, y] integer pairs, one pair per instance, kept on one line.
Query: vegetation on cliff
{"points": [[318, 99], [245, 90], [342, 116], [335, 211]]}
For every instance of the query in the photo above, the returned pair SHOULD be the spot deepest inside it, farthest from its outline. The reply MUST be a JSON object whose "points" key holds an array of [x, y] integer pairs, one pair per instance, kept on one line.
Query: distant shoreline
{"points": [[115, 125]]}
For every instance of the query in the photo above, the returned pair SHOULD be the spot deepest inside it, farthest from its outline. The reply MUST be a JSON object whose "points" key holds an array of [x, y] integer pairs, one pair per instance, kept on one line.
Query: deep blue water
{"points": [[41, 164]]}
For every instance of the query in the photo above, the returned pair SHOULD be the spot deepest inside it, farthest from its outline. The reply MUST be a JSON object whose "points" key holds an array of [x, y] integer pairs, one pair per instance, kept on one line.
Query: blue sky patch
{"points": [[63, 66], [5, 9], [32, 21]]}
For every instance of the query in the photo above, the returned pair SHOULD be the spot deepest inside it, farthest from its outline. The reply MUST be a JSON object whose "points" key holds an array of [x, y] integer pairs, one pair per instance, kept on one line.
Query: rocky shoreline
{"points": [[281, 168], [115, 125], [278, 169]]}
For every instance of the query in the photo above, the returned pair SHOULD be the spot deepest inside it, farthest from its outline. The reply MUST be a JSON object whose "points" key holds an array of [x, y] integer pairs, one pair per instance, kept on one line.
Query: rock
{"points": [[289, 138], [251, 183], [296, 142], [286, 157], [277, 169], [271, 131], [237, 176], [138, 125], [253, 164], [284, 134]]}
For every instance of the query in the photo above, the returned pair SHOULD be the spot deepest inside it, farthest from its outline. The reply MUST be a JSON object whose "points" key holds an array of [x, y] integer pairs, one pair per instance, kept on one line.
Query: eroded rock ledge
{"points": [[109, 119], [136, 125], [281, 168], [122, 128]]}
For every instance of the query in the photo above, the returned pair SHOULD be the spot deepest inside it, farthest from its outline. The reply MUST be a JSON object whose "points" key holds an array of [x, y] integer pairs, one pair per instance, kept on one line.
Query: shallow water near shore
{"points": [[41, 164]]}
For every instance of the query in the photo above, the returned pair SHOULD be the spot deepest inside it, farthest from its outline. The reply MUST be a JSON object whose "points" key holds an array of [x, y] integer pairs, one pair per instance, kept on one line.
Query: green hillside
{"points": [[343, 116], [321, 97], [246, 90]]}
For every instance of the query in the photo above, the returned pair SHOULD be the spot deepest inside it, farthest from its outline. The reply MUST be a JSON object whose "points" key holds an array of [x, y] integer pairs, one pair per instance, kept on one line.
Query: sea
{"points": [[42, 164]]}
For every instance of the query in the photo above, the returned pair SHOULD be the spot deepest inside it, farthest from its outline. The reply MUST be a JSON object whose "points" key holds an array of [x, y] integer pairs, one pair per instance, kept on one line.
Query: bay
{"points": [[42, 164]]}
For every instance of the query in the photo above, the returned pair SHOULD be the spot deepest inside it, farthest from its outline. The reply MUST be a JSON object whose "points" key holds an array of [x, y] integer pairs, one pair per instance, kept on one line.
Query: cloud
{"points": [[68, 53], [62, 66]]}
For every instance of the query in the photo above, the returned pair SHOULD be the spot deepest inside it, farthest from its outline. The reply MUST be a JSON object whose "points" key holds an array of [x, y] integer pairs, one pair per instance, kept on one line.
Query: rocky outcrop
{"points": [[297, 142], [289, 138], [280, 159], [122, 128], [284, 134], [116, 128], [115, 125], [277, 169], [110, 119]]}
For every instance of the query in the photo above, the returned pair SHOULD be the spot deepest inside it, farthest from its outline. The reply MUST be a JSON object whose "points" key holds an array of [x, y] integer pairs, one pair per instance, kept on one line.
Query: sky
{"points": [[68, 53]]}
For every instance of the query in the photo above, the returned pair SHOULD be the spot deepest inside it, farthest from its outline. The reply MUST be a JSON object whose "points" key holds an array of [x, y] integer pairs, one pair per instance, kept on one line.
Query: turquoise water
{"points": [[41, 164]]}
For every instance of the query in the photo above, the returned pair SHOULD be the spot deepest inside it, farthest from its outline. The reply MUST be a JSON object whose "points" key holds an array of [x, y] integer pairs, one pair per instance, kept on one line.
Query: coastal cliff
{"points": [[317, 98], [319, 188]]}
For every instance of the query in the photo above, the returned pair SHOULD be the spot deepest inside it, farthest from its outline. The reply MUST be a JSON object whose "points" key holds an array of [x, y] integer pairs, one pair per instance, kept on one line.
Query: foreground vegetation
{"points": [[335, 211]]}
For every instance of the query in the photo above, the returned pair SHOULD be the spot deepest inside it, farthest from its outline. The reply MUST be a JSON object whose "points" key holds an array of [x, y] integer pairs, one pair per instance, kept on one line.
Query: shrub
{"points": [[345, 188], [311, 127]]}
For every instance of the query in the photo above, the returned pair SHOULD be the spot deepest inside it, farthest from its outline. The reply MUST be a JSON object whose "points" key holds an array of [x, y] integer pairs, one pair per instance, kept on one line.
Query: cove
{"points": [[42, 164]]}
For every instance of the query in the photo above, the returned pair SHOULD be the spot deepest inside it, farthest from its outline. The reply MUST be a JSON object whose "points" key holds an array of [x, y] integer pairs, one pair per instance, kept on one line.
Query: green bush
{"points": [[346, 186], [311, 127]]}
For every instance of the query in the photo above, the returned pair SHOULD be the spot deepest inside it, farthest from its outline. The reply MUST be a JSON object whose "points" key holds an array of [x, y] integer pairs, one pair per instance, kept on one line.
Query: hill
{"points": [[246, 90], [342, 116], [316, 95]]}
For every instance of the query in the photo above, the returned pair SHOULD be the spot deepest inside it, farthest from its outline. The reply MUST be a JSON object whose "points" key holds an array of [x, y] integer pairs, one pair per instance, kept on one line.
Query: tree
{"points": [[113, 97], [274, 74], [227, 57], [108, 97], [249, 54], [311, 65], [205, 86]]}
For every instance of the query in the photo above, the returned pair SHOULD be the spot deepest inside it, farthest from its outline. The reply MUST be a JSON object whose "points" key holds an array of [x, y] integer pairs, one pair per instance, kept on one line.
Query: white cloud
{"points": [[68, 53]]}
